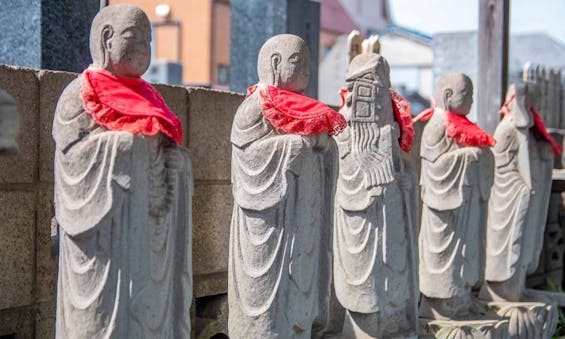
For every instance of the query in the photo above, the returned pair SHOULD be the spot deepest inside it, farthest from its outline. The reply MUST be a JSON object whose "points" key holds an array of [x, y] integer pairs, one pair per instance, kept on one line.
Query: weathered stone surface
{"points": [[123, 201], [519, 202], [51, 85], [283, 185], [211, 219], [22, 85], [17, 222], [46, 263], [375, 268], [456, 177], [177, 99], [9, 124], [209, 125], [18, 322], [45, 321]]}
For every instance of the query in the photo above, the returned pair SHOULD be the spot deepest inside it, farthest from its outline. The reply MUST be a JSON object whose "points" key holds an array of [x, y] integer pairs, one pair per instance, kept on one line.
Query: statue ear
{"points": [[372, 45], [276, 59], [354, 44], [447, 93], [106, 37]]}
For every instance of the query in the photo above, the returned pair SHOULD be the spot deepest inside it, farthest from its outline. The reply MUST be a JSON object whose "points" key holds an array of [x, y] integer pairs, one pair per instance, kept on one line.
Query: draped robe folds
{"points": [[279, 258], [518, 203], [125, 230], [455, 184], [375, 216]]}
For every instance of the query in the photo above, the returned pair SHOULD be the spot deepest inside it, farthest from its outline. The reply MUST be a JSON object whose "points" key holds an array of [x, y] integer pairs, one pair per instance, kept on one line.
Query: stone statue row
{"points": [[326, 206]]}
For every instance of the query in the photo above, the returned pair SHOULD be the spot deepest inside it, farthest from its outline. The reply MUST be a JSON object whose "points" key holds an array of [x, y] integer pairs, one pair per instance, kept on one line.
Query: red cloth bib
{"points": [[293, 113], [124, 104], [402, 115], [540, 131], [463, 131]]}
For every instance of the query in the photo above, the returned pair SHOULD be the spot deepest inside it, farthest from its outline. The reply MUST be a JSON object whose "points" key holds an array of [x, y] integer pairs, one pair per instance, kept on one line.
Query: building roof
{"points": [[335, 18], [407, 32]]}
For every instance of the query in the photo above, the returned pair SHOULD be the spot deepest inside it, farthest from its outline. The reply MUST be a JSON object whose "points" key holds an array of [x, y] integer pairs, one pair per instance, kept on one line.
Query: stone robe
{"points": [[518, 203], [279, 273], [455, 185], [125, 230], [375, 223]]}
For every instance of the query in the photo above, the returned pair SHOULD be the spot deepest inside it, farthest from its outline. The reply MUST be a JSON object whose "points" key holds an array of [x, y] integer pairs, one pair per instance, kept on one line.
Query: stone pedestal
{"points": [[527, 320], [47, 34], [254, 21]]}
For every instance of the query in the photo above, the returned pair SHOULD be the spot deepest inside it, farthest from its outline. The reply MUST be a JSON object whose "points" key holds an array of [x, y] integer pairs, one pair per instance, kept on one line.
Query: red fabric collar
{"points": [[539, 129], [402, 115], [463, 131], [124, 104], [293, 113]]}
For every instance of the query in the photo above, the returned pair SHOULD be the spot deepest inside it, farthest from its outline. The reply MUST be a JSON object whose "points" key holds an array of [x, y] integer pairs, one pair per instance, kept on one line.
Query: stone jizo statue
{"points": [[123, 193], [283, 177], [456, 177], [519, 200], [375, 253], [9, 124]]}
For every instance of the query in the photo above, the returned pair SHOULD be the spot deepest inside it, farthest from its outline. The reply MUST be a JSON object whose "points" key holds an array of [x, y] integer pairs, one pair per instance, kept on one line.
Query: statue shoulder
{"points": [[248, 123], [70, 103]]}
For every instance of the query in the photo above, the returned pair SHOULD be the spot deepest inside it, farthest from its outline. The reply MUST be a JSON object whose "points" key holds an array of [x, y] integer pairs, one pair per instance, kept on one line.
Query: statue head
{"points": [[284, 62], [454, 93], [120, 39], [9, 124], [520, 96], [368, 82]]}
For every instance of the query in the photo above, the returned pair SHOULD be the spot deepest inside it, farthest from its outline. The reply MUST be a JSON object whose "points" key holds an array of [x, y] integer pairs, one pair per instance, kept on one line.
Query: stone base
{"points": [[528, 319], [472, 329], [525, 320]]}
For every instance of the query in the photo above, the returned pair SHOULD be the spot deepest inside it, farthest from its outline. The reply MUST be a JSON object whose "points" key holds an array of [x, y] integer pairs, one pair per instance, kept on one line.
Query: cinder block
{"points": [[17, 232], [210, 119], [23, 86], [176, 98], [51, 85], [211, 222], [46, 271]]}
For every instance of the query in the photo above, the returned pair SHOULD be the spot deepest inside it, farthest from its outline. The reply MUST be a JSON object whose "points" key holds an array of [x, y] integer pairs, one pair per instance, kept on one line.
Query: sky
{"points": [[435, 16]]}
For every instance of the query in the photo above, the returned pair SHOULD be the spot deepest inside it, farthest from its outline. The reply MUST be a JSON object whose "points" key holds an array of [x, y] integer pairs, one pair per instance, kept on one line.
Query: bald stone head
{"points": [[454, 93], [284, 62], [120, 39]]}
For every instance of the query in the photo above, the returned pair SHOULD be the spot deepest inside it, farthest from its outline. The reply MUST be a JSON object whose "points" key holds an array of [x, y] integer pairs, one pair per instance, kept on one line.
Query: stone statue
{"points": [[9, 124], [376, 207], [283, 177], [123, 194], [520, 195], [456, 177]]}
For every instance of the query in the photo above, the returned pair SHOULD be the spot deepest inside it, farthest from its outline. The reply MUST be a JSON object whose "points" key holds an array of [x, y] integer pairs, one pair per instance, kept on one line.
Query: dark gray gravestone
{"points": [[255, 21], [47, 34]]}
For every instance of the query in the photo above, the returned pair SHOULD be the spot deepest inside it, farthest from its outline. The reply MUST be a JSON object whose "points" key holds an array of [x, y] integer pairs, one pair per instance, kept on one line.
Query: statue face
{"points": [[129, 49], [294, 70]]}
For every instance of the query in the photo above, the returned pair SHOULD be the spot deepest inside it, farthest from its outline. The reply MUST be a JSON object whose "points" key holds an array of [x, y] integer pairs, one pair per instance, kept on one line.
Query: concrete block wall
{"points": [[28, 272]]}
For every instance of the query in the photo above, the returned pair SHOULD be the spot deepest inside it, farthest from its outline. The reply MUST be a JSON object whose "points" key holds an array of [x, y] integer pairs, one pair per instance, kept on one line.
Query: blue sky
{"points": [[434, 16]]}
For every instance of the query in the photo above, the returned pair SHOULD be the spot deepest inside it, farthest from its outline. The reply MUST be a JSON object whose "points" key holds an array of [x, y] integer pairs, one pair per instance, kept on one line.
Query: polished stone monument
{"points": [[283, 178], [376, 207], [123, 194]]}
